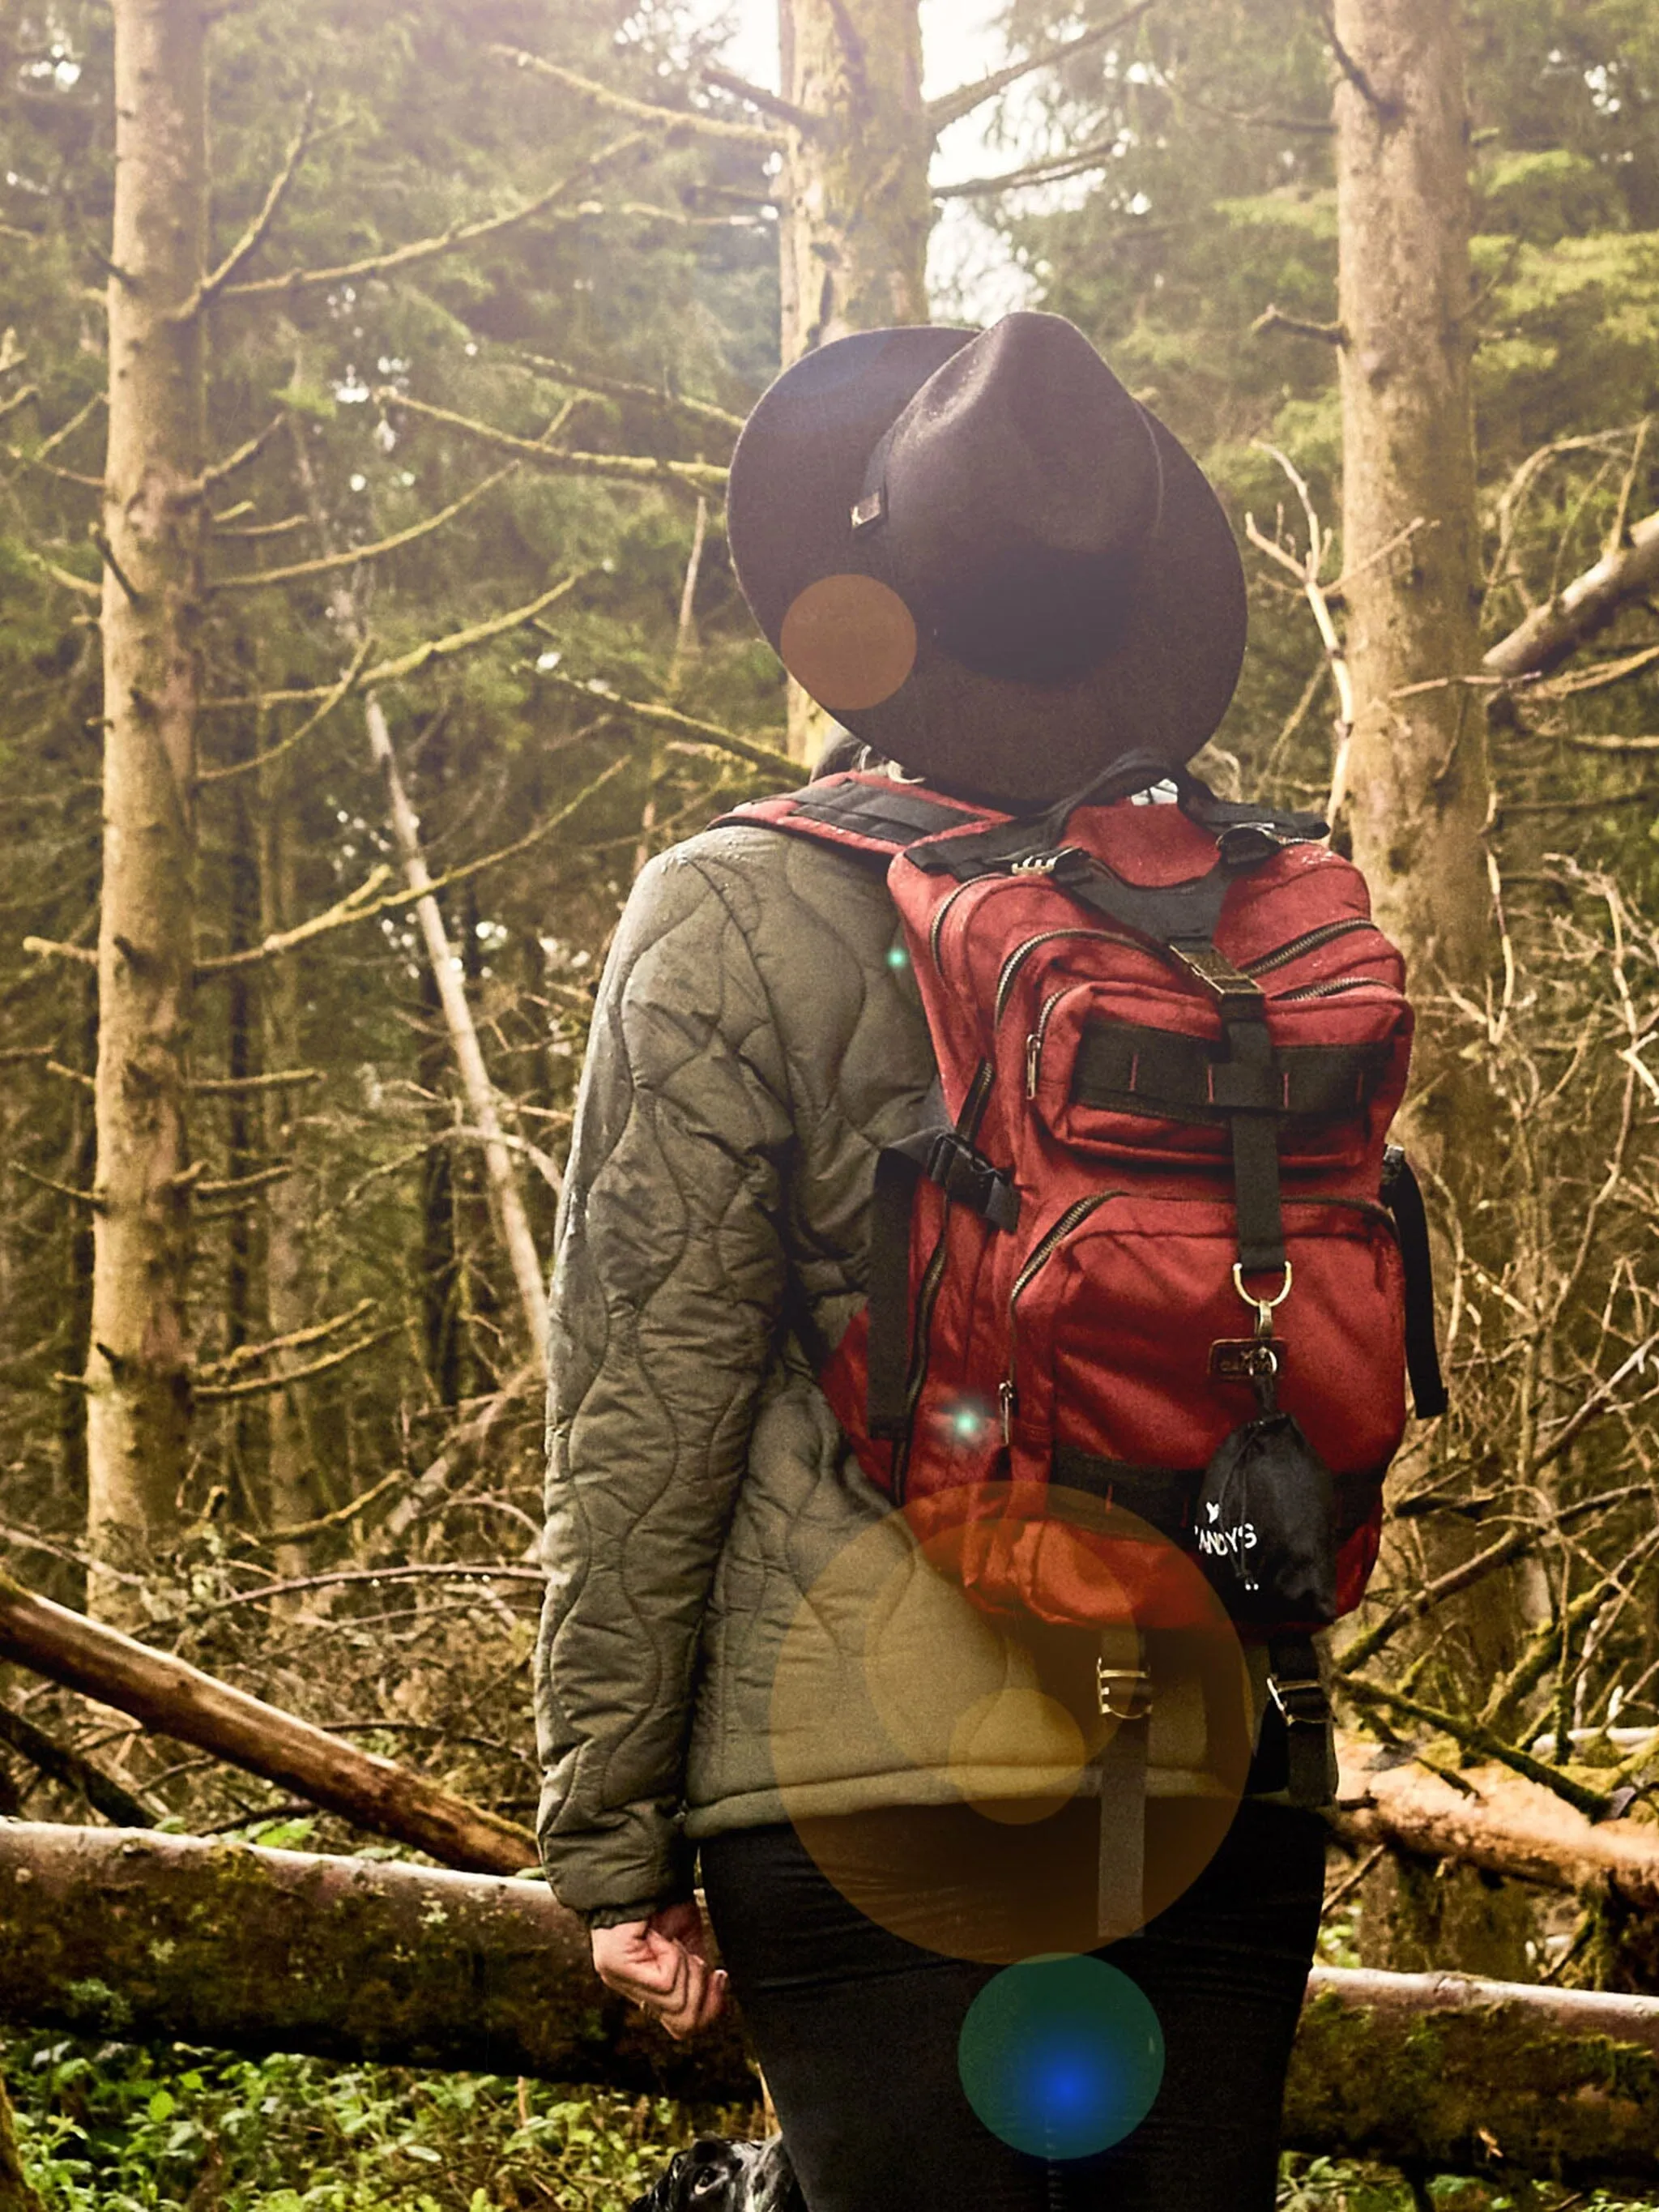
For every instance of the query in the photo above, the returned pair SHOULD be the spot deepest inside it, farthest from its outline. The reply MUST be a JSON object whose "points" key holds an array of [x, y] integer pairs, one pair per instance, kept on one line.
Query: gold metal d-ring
{"points": [[1265, 1308]]}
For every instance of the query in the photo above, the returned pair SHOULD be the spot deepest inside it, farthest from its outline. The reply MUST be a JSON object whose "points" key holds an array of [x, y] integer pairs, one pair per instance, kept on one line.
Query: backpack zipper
{"points": [[1078, 1211], [1034, 1043], [1017, 958], [1332, 988], [940, 912], [1310, 941]]}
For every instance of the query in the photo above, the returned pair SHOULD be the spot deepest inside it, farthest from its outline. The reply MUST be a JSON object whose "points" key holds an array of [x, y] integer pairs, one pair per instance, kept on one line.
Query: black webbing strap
{"points": [[1247, 1084], [1126, 1067], [1403, 1196], [1120, 1765], [890, 812], [1304, 1711], [944, 1154]]}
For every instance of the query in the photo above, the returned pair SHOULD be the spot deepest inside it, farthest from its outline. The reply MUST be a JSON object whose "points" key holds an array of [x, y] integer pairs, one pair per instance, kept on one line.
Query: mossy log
{"points": [[111, 1933], [1443, 2074], [15, 2193], [1496, 1821], [166, 1937]]}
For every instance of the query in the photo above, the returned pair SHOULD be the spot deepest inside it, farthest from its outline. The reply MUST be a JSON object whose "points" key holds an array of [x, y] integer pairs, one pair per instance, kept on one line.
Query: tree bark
{"points": [[856, 210], [1497, 1823], [179, 1700], [16, 2194], [138, 1372], [222, 1944], [166, 1936], [1443, 2074], [1413, 791]]}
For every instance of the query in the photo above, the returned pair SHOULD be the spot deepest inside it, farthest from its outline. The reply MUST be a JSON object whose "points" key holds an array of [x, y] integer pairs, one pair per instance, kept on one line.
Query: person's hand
{"points": [[661, 1965]]}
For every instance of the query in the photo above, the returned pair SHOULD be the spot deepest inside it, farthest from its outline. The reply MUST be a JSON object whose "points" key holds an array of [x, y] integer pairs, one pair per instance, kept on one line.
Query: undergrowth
{"points": [[119, 2127]]}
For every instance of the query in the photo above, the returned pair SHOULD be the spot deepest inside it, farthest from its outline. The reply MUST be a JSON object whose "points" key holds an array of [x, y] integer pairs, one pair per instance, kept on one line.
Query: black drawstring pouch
{"points": [[1265, 1525]]}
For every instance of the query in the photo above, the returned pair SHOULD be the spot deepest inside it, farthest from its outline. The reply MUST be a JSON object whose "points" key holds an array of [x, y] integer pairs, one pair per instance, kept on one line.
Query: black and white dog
{"points": [[716, 2175]]}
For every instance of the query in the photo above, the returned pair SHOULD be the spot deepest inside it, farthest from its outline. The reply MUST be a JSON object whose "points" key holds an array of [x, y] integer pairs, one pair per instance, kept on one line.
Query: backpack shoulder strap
{"points": [[867, 814]]}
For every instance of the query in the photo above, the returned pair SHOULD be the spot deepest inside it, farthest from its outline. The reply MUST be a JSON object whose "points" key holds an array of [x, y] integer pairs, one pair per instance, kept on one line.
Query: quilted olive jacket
{"points": [[758, 1039]]}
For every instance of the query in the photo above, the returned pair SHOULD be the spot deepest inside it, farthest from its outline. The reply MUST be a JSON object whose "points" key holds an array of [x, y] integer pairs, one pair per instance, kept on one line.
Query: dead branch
{"points": [[341, 1577], [675, 120], [62, 1189], [951, 106], [452, 240], [65, 578], [342, 691], [179, 1700], [48, 948], [686, 726], [617, 387], [62, 1763], [355, 556], [626, 468], [351, 1511], [1306, 570], [1274, 318], [249, 450], [1455, 1580], [262, 1386], [1056, 170], [1600, 678], [1385, 109], [1554, 632], [352, 907], [259, 229], [20, 398], [1471, 1736], [756, 95], [245, 1354]]}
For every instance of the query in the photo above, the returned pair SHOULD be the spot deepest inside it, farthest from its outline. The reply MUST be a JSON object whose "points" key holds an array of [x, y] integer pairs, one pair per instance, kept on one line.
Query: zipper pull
{"points": [[1033, 1061], [1005, 1400]]}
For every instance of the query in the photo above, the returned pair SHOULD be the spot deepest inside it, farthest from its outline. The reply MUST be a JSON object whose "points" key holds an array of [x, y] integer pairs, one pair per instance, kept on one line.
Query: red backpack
{"points": [[1155, 1212]]}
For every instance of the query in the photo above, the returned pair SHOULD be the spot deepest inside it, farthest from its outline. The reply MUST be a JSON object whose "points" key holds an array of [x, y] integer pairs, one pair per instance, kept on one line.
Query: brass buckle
{"points": [[1302, 1702], [1125, 1693]]}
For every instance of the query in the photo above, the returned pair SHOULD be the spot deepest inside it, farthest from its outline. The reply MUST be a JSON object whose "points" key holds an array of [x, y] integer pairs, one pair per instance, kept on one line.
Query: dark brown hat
{"points": [[980, 555]]}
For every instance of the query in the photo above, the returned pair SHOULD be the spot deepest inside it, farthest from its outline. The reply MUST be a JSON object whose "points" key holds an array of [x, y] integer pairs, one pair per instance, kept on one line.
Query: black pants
{"points": [[857, 2031]]}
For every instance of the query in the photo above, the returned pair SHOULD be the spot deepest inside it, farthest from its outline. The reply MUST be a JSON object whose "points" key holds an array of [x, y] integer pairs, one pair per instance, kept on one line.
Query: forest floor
{"points": [[122, 2128]]}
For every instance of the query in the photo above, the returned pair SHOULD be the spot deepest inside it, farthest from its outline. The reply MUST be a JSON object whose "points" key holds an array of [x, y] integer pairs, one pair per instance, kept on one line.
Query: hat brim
{"points": [[1163, 684]]}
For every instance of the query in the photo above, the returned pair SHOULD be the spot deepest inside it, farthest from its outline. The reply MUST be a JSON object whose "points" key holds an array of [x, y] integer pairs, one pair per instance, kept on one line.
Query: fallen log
{"points": [[106, 1933], [168, 1937], [1443, 2073], [1553, 632], [1496, 1820], [180, 1701]]}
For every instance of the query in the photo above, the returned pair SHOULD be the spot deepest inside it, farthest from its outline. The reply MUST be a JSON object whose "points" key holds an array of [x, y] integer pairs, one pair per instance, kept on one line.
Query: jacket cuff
{"points": [[617, 1916]]}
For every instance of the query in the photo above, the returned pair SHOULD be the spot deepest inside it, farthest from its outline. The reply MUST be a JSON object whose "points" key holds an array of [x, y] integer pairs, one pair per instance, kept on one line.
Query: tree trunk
{"points": [[1414, 784], [166, 1937], [138, 1372], [179, 1700], [291, 1492], [856, 209]]}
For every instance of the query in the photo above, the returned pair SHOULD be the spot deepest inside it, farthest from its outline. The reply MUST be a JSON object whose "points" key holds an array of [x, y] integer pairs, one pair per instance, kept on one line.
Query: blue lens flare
{"points": [[1061, 2057]]}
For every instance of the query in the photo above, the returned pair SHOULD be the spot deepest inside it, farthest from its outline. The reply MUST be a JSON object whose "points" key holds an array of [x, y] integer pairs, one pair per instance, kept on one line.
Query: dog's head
{"points": [[716, 2175]]}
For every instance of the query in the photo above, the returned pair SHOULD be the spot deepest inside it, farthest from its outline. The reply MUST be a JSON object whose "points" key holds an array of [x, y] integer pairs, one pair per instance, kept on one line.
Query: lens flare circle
{"points": [[1061, 2057], [849, 641]]}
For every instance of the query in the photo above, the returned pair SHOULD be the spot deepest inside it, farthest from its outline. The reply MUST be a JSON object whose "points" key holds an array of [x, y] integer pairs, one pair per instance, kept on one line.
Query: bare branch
{"points": [[756, 95], [259, 229], [65, 577], [617, 387], [686, 726], [1274, 318], [245, 1354], [221, 1392], [352, 907], [19, 399], [1055, 171], [1551, 633], [281, 1079], [426, 249], [62, 1189], [329, 563], [1386, 110], [951, 106], [344, 690], [1594, 679], [48, 948], [1471, 1736], [244, 453], [627, 468], [675, 120]]}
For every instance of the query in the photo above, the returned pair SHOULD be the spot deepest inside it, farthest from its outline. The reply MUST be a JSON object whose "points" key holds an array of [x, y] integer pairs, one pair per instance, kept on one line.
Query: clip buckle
{"points": [[1302, 1702], [1125, 1693]]}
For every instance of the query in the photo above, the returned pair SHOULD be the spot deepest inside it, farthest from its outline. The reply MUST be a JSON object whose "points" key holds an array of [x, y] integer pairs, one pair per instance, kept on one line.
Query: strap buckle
{"points": [[1301, 1701], [1125, 1693]]}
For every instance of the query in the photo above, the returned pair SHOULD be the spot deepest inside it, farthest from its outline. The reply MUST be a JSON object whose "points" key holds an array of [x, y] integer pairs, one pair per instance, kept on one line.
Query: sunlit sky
{"points": [[971, 272]]}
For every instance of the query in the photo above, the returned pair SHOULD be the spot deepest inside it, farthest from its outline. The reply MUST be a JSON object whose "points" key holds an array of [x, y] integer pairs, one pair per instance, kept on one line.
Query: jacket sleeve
{"points": [[667, 1293]]}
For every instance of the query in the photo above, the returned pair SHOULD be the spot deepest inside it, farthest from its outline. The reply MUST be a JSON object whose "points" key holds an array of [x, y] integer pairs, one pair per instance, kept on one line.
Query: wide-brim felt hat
{"points": [[985, 558]]}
